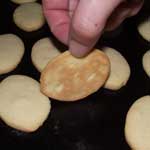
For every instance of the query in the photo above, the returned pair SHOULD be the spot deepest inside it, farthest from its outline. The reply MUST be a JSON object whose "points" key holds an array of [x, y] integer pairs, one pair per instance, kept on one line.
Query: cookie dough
{"points": [[42, 52], [22, 1], [137, 126], [22, 105], [119, 70], [11, 52], [29, 17], [144, 29], [146, 62]]}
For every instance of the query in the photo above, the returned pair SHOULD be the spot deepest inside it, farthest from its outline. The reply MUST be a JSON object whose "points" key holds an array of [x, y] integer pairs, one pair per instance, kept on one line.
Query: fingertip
{"points": [[77, 49]]}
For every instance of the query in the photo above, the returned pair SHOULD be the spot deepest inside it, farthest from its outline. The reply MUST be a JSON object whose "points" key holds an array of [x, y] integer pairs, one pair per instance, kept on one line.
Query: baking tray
{"points": [[95, 123]]}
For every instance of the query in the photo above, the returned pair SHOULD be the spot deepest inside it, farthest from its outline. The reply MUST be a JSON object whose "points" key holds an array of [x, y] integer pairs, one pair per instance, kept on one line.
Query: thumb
{"points": [[87, 24]]}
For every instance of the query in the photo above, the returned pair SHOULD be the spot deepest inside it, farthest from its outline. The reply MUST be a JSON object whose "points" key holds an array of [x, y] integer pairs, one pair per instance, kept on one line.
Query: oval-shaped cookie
{"points": [[42, 52], [119, 70], [67, 78], [137, 126], [22, 105], [11, 52], [144, 29], [29, 17], [146, 62], [22, 1]]}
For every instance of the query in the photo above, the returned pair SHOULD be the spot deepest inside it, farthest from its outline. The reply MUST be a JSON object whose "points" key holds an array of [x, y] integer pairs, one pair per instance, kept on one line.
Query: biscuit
{"points": [[137, 126], [144, 29], [42, 52], [11, 52], [22, 105], [67, 78], [146, 62], [22, 1], [119, 70], [29, 17]]}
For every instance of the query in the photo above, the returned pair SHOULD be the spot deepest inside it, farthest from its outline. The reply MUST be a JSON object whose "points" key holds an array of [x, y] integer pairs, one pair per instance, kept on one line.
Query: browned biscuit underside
{"points": [[67, 78]]}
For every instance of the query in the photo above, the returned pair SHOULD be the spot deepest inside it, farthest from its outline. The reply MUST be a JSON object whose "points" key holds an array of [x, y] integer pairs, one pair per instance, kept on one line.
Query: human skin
{"points": [[80, 23]]}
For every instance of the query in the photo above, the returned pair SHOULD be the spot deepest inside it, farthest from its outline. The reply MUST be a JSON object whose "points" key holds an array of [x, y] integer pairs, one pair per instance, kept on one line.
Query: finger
{"points": [[135, 6], [72, 6], [87, 24], [117, 17], [123, 11], [57, 15]]}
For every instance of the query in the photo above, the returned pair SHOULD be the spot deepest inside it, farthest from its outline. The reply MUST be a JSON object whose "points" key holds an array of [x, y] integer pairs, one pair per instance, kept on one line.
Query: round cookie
{"points": [[67, 78], [22, 1], [119, 70], [146, 62], [137, 126], [144, 29], [22, 105], [11, 52], [29, 17], [42, 52]]}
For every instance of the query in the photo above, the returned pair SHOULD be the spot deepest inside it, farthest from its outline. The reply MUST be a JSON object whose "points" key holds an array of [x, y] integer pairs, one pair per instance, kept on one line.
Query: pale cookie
{"points": [[144, 29], [137, 126], [119, 70], [11, 52], [146, 62], [22, 1], [29, 17], [67, 78], [42, 52], [22, 105]]}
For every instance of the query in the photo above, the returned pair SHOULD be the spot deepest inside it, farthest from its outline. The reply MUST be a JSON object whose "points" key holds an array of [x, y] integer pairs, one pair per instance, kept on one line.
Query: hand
{"points": [[80, 23]]}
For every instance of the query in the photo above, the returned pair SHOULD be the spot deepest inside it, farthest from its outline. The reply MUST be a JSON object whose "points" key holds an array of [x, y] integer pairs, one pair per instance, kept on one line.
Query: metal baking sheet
{"points": [[96, 122]]}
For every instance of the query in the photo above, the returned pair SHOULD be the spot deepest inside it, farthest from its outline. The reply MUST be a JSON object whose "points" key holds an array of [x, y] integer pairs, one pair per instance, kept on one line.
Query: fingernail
{"points": [[77, 49]]}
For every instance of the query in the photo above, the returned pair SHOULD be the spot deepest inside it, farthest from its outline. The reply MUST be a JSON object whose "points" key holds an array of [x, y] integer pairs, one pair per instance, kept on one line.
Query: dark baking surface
{"points": [[95, 123]]}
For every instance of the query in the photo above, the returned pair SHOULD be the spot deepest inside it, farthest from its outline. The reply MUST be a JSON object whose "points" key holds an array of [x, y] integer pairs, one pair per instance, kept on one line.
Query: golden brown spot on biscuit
{"points": [[102, 69], [76, 75], [59, 88], [55, 87], [91, 77]]}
